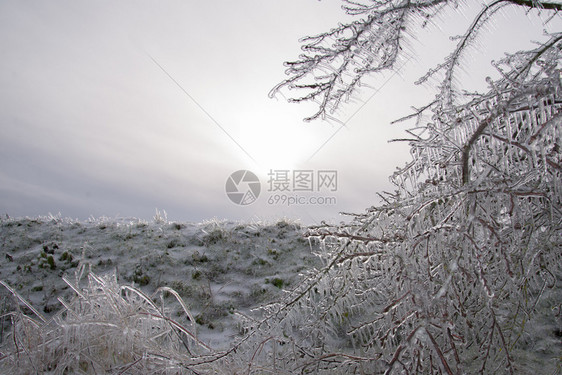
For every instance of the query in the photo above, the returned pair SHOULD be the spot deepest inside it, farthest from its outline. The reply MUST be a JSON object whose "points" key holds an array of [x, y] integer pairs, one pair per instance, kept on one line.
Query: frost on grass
{"points": [[105, 328], [219, 269]]}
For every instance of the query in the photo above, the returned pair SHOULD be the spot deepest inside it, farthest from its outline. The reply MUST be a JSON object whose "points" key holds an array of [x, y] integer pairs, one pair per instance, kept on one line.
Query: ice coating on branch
{"points": [[453, 271]]}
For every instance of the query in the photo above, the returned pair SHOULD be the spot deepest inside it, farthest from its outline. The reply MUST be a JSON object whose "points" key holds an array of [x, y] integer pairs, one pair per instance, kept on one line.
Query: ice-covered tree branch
{"points": [[447, 274], [335, 63]]}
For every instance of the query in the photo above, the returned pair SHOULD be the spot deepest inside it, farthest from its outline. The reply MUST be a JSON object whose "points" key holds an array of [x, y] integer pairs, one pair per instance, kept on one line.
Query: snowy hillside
{"points": [[216, 267], [125, 316]]}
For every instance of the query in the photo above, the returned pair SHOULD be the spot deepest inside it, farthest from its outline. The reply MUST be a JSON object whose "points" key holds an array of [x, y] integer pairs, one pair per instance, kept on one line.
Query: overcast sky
{"points": [[118, 108]]}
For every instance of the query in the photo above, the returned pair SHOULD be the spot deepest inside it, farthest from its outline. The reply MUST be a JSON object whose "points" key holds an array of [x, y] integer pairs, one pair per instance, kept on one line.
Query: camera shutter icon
{"points": [[243, 187]]}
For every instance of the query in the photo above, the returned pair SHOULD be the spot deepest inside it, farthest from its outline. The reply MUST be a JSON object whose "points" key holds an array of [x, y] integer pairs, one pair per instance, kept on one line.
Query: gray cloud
{"points": [[89, 125]]}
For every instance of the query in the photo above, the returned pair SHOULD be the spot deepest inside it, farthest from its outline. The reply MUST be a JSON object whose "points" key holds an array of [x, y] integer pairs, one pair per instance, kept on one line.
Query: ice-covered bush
{"points": [[458, 270], [106, 328]]}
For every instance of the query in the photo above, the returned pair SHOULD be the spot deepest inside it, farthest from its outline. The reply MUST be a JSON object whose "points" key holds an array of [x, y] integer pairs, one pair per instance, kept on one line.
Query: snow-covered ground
{"points": [[222, 270], [216, 267]]}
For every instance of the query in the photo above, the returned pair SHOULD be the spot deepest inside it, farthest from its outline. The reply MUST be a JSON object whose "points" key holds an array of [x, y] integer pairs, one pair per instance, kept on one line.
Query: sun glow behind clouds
{"points": [[284, 143], [272, 149], [89, 118]]}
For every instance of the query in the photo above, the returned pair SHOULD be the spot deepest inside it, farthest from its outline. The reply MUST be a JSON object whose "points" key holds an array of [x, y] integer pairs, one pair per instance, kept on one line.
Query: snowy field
{"points": [[221, 270], [216, 267]]}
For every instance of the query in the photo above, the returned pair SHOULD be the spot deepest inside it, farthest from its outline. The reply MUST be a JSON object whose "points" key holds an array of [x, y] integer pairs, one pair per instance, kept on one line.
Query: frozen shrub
{"points": [[106, 328], [453, 271]]}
